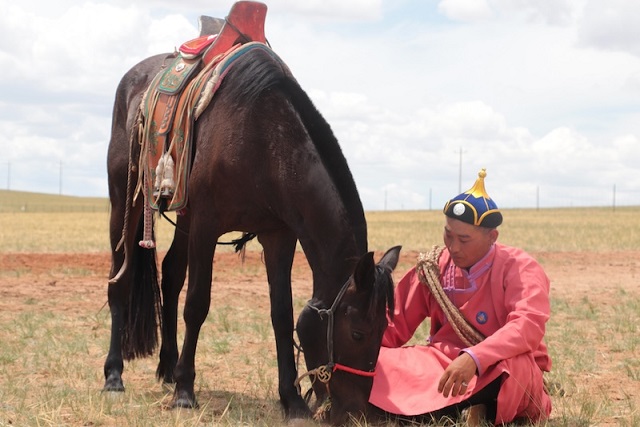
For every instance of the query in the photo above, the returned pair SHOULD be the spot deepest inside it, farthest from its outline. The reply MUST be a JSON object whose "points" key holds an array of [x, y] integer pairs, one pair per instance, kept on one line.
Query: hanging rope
{"points": [[429, 274]]}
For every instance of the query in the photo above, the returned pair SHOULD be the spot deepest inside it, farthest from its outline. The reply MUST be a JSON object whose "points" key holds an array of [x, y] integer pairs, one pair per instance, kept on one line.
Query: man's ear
{"points": [[494, 233]]}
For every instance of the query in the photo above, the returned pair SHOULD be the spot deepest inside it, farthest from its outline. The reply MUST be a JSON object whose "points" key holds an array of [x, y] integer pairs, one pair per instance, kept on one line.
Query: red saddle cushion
{"points": [[195, 47]]}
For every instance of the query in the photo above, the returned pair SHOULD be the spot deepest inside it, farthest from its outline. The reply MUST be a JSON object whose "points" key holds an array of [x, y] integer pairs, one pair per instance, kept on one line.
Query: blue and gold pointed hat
{"points": [[474, 206]]}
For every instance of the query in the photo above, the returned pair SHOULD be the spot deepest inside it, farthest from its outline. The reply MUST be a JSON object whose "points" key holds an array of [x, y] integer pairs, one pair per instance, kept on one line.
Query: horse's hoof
{"points": [[184, 400], [113, 384]]}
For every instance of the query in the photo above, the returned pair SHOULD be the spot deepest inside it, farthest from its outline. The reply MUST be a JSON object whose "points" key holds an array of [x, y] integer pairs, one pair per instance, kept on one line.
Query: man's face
{"points": [[467, 243]]}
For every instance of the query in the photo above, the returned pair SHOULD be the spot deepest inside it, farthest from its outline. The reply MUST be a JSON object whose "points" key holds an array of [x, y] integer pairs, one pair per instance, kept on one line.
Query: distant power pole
{"points": [[60, 184], [460, 172]]}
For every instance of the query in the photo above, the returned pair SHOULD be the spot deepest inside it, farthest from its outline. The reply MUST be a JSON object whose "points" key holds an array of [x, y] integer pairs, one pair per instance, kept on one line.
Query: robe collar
{"points": [[471, 274]]}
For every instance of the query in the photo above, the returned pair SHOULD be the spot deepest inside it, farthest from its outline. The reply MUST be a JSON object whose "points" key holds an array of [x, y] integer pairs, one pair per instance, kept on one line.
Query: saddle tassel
{"points": [[164, 184], [147, 241]]}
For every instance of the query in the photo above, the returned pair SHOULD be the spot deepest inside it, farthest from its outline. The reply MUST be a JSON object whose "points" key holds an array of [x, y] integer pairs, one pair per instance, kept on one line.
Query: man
{"points": [[500, 296]]}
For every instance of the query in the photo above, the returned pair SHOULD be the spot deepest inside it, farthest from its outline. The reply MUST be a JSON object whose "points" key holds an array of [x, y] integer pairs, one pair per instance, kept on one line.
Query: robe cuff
{"points": [[475, 359]]}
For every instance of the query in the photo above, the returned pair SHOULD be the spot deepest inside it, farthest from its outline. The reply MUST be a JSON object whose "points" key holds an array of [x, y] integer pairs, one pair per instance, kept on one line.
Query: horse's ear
{"points": [[364, 275], [390, 258]]}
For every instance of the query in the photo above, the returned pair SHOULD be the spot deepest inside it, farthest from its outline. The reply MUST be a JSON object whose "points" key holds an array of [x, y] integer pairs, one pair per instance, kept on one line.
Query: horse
{"points": [[355, 324], [264, 161]]}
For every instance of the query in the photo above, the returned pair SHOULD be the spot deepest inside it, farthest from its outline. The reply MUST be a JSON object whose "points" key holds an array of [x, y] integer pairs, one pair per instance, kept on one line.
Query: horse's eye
{"points": [[357, 336]]}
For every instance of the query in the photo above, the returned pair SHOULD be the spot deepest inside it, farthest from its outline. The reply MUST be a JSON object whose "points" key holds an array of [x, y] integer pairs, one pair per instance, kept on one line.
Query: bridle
{"points": [[323, 373]]}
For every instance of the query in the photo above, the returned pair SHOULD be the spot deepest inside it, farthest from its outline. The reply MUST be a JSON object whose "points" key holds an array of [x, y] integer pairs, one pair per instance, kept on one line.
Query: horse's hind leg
{"points": [[279, 250], [118, 293], [201, 250], [174, 270], [114, 365]]}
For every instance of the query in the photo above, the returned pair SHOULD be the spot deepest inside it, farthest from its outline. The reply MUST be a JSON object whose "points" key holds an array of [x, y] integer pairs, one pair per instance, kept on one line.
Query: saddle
{"points": [[178, 95]]}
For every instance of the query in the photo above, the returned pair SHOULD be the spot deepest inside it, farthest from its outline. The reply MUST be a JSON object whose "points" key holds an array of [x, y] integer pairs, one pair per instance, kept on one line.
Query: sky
{"points": [[421, 94]]}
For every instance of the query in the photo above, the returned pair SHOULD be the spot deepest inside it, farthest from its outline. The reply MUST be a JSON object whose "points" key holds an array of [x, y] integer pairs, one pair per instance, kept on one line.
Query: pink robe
{"points": [[506, 297]]}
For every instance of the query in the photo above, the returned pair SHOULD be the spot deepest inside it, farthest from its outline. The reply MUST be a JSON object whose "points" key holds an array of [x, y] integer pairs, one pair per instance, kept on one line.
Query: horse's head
{"points": [[342, 360]]}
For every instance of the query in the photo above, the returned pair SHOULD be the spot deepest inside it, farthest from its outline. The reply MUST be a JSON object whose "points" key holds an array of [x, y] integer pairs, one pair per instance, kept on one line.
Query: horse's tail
{"points": [[142, 314]]}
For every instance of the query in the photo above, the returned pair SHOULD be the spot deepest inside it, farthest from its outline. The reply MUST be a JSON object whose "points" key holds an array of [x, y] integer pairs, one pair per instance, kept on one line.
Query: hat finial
{"points": [[478, 189]]}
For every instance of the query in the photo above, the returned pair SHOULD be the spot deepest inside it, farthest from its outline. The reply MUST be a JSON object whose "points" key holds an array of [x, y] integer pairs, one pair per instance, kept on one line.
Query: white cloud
{"points": [[465, 10], [335, 10], [548, 12], [611, 25]]}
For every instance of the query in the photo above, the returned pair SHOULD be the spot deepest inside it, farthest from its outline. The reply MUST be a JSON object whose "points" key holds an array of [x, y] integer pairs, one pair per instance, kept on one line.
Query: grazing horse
{"points": [[264, 161], [354, 323]]}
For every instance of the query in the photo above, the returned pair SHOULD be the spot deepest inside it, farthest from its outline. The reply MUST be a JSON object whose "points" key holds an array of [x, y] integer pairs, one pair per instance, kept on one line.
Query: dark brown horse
{"points": [[264, 161]]}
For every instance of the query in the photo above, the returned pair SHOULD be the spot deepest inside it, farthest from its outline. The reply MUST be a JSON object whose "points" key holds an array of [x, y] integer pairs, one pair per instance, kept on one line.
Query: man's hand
{"points": [[456, 377]]}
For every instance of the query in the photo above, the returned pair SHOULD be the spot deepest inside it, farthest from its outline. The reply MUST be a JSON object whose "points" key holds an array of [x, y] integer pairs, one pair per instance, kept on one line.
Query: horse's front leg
{"points": [[279, 249], [174, 269], [201, 251]]}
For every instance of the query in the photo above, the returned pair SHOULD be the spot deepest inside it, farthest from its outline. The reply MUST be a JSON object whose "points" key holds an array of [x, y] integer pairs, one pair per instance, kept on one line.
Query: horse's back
{"points": [[258, 162], [133, 84]]}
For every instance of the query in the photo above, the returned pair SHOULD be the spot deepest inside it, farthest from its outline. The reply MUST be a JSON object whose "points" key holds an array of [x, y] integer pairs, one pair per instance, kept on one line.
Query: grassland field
{"points": [[54, 325]]}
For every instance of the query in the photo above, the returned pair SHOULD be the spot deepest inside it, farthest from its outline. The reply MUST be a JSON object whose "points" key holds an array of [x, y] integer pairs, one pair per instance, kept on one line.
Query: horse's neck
{"points": [[331, 268]]}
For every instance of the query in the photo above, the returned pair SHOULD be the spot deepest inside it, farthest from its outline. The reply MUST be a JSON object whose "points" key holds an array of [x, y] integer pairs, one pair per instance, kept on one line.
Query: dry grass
{"points": [[22, 201], [51, 358], [546, 230]]}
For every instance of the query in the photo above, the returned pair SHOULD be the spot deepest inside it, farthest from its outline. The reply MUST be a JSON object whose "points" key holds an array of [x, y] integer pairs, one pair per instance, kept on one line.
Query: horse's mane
{"points": [[259, 70], [332, 157]]}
